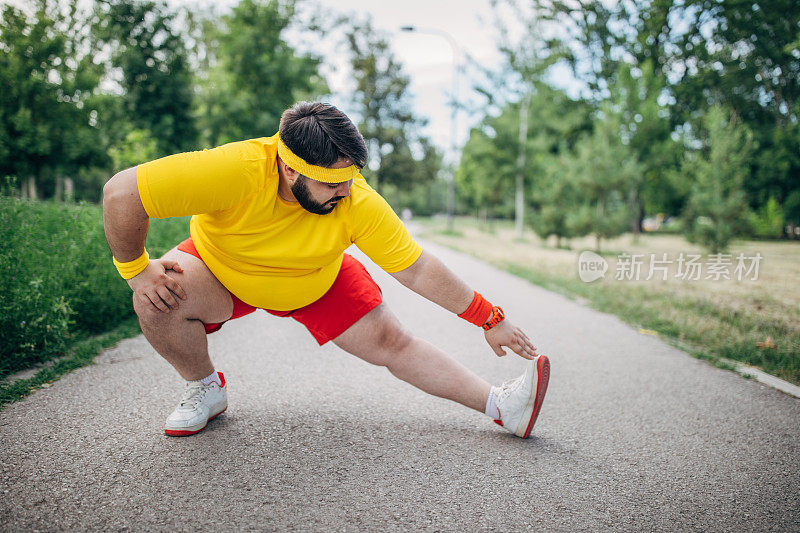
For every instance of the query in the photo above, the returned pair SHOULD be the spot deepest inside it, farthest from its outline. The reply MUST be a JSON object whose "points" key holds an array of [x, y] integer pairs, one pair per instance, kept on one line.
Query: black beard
{"points": [[303, 197]]}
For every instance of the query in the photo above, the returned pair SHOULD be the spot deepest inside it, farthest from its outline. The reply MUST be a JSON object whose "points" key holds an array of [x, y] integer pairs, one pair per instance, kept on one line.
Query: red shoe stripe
{"points": [[184, 433], [222, 379], [543, 378]]}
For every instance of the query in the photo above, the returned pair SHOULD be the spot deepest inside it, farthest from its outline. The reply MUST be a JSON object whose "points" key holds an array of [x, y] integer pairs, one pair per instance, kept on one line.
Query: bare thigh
{"points": [[207, 299]]}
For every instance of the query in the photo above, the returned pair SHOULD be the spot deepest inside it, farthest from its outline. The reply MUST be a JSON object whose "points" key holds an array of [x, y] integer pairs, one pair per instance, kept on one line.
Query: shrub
{"points": [[768, 221], [716, 211], [57, 282]]}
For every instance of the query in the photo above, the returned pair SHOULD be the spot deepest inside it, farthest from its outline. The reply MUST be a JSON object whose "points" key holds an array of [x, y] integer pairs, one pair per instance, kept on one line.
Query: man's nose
{"points": [[344, 189]]}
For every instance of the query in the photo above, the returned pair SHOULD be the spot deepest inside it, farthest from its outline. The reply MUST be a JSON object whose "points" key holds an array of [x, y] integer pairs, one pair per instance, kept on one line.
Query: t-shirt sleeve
{"points": [[192, 183], [379, 233]]}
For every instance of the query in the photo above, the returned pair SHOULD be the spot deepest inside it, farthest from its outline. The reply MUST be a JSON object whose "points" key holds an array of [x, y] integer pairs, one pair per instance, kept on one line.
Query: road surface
{"points": [[634, 435]]}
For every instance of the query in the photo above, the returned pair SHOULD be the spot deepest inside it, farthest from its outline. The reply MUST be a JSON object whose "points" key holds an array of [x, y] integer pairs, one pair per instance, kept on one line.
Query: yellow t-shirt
{"points": [[269, 252]]}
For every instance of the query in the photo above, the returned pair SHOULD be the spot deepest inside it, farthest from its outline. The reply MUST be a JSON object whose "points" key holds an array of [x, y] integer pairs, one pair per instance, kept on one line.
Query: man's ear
{"points": [[289, 172]]}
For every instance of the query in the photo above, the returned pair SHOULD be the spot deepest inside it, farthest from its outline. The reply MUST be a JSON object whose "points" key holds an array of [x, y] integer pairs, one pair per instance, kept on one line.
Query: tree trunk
{"points": [[29, 189], [600, 211], [69, 190], [638, 215], [523, 137]]}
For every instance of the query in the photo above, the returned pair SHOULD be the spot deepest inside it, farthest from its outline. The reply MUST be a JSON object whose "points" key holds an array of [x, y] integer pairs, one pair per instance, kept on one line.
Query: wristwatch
{"points": [[496, 318]]}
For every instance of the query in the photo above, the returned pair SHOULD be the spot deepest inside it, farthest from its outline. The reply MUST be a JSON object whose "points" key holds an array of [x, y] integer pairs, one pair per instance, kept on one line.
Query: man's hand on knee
{"points": [[153, 287]]}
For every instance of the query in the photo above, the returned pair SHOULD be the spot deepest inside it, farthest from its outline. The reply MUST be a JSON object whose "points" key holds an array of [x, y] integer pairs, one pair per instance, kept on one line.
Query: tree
{"points": [[596, 38], [485, 174], [603, 171], [768, 221], [254, 75], [717, 209], [138, 146], [489, 164], [527, 61], [635, 101], [149, 51], [384, 107], [557, 198], [47, 79], [743, 56]]}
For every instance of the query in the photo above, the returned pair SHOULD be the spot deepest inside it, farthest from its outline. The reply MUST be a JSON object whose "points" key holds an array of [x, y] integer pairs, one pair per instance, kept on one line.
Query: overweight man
{"points": [[271, 219]]}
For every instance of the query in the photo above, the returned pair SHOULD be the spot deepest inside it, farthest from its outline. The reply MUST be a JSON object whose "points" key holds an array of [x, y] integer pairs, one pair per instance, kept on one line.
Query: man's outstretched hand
{"points": [[152, 286], [507, 334]]}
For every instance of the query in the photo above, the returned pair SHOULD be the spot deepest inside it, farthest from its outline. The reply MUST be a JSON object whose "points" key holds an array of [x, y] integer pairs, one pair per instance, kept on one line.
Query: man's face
{"points": [[318, 197]]}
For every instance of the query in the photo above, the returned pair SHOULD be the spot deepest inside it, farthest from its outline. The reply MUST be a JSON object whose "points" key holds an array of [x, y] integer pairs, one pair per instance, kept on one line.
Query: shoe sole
{"points": [[542, 369], [187, 432]]}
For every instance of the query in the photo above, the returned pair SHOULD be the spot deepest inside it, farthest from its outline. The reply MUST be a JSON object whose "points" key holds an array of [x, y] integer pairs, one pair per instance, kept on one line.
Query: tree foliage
{"points": [[254, 75], [384, 107], [717, 208], [149, 52], [486, 174], [92, 86], [659, 70], [744, 56], [605, 174], [46, 126]]}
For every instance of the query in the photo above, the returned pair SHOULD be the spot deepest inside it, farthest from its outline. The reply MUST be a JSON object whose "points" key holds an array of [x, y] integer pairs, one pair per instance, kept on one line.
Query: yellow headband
{"points": [[323, 174]]}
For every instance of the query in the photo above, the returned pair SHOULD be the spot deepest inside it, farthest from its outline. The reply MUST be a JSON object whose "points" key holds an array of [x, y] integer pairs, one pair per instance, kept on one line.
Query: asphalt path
{"points": [[634, 435]]}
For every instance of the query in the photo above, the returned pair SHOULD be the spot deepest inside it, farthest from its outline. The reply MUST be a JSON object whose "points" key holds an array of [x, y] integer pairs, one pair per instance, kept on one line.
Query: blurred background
{"points": [[541, 126], [632, 115]]}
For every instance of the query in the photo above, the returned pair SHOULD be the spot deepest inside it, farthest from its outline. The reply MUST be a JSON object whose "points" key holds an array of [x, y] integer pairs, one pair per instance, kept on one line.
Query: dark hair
{"points": [[321, 134]]}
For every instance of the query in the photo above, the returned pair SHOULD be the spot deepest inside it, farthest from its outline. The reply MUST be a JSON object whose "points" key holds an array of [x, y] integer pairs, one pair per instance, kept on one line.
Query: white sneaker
{"points": [[200, 403], [520, 400]]}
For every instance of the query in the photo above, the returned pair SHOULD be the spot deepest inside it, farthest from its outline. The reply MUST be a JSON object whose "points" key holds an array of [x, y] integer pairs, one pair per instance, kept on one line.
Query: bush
{"points": [[768, 221], [716, 211], [57, 282]]}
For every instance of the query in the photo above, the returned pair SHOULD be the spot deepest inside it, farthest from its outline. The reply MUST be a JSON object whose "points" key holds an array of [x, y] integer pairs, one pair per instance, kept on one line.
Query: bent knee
{"points": [[393, 339]]}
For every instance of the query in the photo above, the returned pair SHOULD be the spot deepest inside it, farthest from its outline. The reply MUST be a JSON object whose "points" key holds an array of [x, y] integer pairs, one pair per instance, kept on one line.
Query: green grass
{"points": [[704, 321], [58, 286], [698, 323]]}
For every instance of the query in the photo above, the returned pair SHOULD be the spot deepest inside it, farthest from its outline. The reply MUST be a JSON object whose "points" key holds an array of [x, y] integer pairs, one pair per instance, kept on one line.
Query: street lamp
{"points": [[451, 183]]}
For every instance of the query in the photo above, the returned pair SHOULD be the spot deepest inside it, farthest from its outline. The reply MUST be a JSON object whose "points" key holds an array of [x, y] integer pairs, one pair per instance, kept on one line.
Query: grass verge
{"points": [[60, 294], [80, 354]]}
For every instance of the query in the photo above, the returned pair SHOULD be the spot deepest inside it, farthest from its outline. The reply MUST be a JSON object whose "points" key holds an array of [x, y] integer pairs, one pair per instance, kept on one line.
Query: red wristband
{"points": [[478, 312]]}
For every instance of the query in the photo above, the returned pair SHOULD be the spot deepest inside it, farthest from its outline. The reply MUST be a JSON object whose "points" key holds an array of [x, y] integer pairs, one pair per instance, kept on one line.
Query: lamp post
{"points": [[519, 215], [451, 182]]}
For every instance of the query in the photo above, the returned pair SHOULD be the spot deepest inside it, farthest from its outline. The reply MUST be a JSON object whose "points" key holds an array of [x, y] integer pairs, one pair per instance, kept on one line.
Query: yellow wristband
{"points": [[133, 268]]}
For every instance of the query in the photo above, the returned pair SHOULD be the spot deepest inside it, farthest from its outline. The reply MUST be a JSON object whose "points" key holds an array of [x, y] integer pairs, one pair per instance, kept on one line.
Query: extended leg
{"points": [[378, 338], [179, 336]]}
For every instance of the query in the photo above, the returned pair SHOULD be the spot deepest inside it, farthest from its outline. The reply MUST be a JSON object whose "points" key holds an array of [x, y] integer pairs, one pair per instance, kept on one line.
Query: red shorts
{"points": [[353, 294]]}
